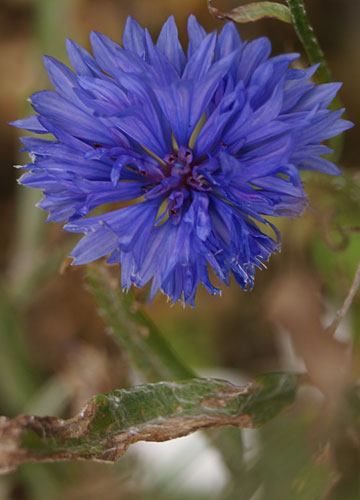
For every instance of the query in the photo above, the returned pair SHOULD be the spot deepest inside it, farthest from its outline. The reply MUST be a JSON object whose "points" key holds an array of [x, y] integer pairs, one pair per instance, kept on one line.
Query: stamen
{"points": [[170, 159]]}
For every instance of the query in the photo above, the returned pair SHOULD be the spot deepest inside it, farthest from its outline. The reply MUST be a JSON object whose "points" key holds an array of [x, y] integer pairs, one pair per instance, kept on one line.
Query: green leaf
{"points": [[254, 12], [111, 422]]}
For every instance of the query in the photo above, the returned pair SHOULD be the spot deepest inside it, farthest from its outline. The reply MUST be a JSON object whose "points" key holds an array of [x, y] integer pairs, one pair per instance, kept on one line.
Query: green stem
{"points": [[144, 344], [315, 54], [307, 37]]}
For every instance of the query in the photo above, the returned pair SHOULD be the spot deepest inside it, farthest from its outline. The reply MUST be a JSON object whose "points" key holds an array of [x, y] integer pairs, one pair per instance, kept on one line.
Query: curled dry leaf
{"points": [[253, 12], [110, 423]]}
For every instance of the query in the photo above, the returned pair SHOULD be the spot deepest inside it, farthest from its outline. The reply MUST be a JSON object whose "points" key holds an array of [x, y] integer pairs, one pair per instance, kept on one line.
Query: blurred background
{"points": [[56, 352]]}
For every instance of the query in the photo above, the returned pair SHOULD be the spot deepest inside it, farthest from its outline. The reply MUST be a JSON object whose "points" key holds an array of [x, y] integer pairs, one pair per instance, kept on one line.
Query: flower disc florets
{"points": [[201, 146]]}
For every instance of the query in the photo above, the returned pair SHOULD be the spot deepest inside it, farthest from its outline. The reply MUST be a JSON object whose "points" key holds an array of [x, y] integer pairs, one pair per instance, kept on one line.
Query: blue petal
{"points": [[134, 37], [267, 158], [296, 86], [105, 51], [133, 124], [53, 148], [81, 60], [321, 94], [196, 34], [324, 126], [267, 76], [62, 78], [119, 229], [311, 150], [168, 43], [228, 41], [110, 56], [165, 71], [31, 124], [97, 243], [141, 95], [156, 252], [92, 170], [254, 54], [63, 137], [199, 63], [211, 133], [197, 215], [106, 91], [183, 103], [70, 118], [319, 165], [176, 103]]}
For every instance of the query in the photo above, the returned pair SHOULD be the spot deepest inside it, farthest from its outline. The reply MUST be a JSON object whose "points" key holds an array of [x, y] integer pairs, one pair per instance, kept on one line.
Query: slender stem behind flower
{"points": [[347, 303], [308, 38], [146, 348]]}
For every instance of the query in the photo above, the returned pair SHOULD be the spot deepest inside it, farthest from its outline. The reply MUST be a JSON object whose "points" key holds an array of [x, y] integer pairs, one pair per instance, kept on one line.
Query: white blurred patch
{"points": [[343, 331], [290, 361], [187, 464]]}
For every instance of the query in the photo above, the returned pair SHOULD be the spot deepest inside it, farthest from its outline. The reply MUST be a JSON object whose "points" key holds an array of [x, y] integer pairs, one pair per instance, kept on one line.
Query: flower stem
{"points": [[307, 37], [144, 345], [315, 54]]}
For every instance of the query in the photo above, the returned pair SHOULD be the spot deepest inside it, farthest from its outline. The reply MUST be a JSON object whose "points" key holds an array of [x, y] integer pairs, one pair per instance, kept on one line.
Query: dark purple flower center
{"points": [[180, 176], [184, 171]]}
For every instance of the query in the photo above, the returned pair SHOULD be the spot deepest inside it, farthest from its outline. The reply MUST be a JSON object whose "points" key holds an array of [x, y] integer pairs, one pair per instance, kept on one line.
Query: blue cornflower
{"points": [[206, 144]]}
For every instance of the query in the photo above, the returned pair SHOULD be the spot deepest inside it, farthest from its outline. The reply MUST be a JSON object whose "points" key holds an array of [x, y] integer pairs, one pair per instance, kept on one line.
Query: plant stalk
{"points": [[145, 346], [308, 39]]}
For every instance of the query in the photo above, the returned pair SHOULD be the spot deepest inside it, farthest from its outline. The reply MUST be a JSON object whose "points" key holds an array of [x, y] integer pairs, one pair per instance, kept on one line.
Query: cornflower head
{"points": [[202, 146]]}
